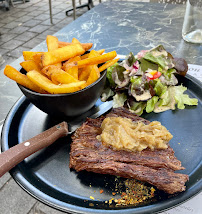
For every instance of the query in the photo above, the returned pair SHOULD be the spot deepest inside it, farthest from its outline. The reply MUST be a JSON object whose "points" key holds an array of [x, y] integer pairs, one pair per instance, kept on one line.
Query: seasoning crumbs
{"points": [[101, 191]]}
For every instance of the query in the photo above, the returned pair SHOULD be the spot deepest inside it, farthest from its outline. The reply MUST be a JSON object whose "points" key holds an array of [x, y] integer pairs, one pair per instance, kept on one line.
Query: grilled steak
{"points": [[155, 167]]}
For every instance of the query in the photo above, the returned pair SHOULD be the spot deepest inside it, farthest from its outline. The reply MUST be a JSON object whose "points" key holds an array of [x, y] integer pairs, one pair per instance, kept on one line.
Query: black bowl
{"points": [[70, 104]]}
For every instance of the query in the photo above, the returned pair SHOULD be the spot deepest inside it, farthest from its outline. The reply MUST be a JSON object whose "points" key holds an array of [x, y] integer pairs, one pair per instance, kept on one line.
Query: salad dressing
{"points": [[159, 53]]}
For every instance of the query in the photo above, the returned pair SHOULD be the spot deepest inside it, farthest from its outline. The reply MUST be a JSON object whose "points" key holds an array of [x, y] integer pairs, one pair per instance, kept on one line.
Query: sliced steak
{"points": [[155, 167]]}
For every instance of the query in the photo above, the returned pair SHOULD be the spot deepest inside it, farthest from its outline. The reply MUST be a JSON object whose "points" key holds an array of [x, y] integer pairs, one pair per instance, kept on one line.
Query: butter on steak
{"points": [[155, 167]]}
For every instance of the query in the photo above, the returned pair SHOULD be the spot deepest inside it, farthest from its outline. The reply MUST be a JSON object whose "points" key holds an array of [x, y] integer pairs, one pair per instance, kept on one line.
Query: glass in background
{"points": [[192, 26]]}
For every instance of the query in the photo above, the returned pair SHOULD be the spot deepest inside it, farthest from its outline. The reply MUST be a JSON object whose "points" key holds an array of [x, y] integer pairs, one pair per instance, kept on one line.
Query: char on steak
{"points": [[155, 167]]}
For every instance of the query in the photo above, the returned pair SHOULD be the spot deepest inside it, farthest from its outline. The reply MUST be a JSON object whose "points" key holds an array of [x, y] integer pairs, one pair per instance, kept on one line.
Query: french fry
{"points": [[94, 75], [52, 42], [64, 68], [68, 64], [63, 77], [93, 53], [37, 59], [74, 59], [86, 71], [74, 72], [101, 51], [46, 84], [74, 40], [70, 68], [58, 75], [108, 64], [58, 65], [30, 65], [21, 79], [96, 60], [28, 55], [86, 46], [61, 54], [47, 70]]}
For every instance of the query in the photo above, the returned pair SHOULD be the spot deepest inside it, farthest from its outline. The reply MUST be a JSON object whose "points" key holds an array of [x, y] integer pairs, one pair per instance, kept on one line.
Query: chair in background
{"points": [[89, 5]]}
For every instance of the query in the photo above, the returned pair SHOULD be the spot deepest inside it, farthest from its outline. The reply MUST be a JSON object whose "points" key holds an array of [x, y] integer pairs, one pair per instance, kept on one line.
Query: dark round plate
{"points": [[46, 175]]}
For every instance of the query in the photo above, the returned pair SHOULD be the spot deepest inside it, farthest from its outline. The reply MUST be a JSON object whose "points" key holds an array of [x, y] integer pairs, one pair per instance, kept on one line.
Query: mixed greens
{"points": [[148, 81]]}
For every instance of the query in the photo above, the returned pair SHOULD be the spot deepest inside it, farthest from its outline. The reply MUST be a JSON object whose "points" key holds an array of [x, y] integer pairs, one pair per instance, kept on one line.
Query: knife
{"points": [[11, 157]]}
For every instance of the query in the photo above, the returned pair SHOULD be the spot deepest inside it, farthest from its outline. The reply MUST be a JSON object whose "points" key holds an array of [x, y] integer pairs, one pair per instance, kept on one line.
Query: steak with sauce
{"points": [[155, 167]]}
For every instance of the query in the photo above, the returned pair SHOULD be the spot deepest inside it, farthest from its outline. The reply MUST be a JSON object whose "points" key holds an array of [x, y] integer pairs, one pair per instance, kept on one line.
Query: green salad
{"points": [[148, 82]]}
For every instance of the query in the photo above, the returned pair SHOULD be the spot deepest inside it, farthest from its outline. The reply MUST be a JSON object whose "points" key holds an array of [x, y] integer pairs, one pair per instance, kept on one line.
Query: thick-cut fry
{"points": [[96, 60], [74, 40], [52, 42], [101, 51], [58, 75], [37, 59], [70, 68], [61, 54], [108, 64], [63, 77], [58, 65], [94, 75], [74, 59], [74, 72], [47, 70], [28, 55], [30, 65], [68, 64], [86, 70], [52, 88], [64, 68], [86, 46], [22, 79]]}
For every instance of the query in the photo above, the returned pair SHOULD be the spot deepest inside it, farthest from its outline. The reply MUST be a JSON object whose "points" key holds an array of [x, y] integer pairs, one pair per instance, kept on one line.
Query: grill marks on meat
{"points": [[155, 167]]}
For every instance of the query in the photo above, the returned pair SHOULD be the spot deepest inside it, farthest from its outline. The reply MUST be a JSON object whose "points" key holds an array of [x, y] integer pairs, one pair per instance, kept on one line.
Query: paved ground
{"points": [[22, 28]]}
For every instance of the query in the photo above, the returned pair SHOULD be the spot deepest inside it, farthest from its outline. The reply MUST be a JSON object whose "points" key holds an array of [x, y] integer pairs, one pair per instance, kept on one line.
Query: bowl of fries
{"points": [[67, 80]]}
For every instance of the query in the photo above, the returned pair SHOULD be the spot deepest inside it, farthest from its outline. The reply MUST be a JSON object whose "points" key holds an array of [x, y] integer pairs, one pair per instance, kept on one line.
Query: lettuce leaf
{"points": [[151, 104], [109, 75], [174, 95], [119, 100], [130, 59], [168, 73], [137, 107], [159, 56], [166, 101], [168, 77], [183, 99], [106, 93], [145, 65], [160, 60], [159, 88]]}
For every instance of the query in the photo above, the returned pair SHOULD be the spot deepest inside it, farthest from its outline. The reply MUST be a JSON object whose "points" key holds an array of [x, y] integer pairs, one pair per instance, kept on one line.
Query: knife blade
{"points": [[11, 157], [93, 113]]}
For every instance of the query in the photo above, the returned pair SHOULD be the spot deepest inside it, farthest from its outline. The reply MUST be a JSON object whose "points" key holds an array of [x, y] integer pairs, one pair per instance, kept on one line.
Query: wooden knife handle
{"points": [[18, 153]]}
